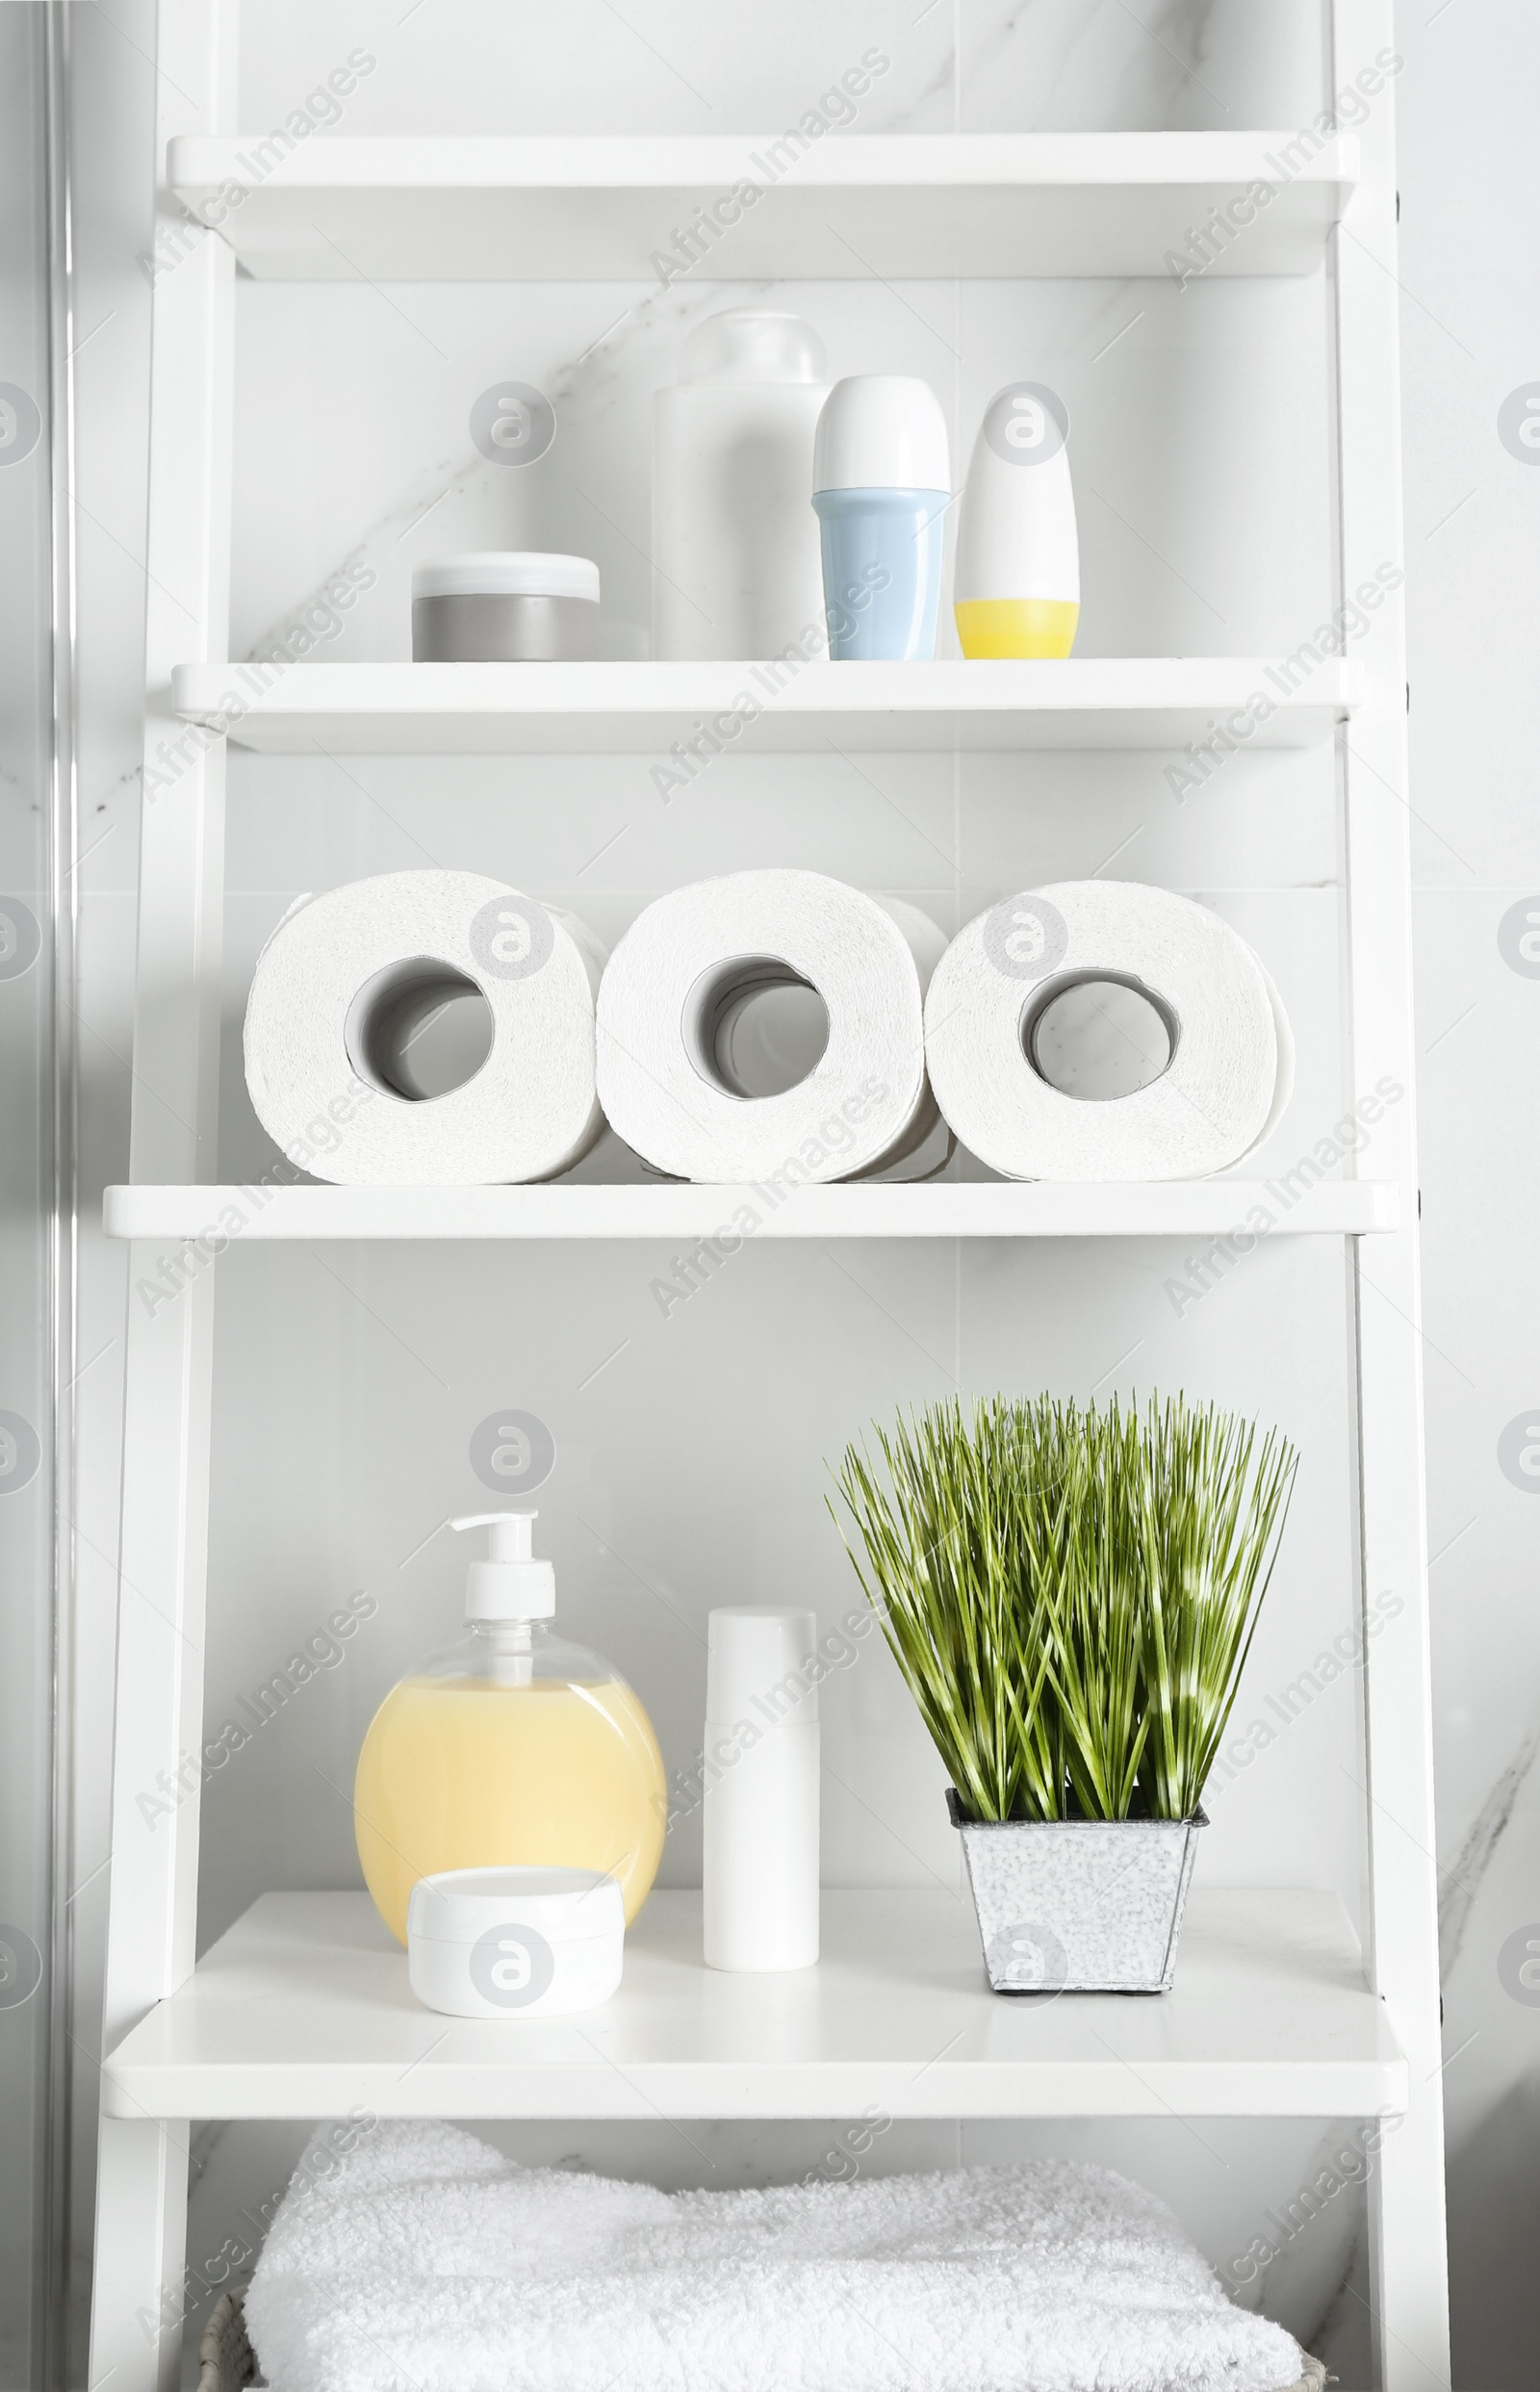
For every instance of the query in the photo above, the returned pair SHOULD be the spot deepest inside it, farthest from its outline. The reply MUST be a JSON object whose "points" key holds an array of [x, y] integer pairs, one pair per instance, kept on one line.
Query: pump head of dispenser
{"points": [[508, 1584]]}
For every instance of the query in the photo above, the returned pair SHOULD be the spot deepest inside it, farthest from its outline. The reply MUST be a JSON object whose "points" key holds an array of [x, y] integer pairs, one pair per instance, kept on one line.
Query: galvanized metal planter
{"points": [[1079, 1906]]}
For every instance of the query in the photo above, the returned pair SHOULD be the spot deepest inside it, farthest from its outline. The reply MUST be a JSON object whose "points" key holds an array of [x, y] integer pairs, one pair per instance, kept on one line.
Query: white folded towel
{"points": [[424, 2261]]}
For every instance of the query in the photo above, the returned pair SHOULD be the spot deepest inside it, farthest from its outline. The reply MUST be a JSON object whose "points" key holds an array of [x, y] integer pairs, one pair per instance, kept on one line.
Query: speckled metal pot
{"points": [[1079, 1906]]}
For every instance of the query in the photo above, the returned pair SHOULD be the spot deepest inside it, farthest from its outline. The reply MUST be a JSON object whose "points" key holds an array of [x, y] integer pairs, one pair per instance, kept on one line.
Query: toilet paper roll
{"points": [[1231, 1060], [676, 983], [346, 982]]}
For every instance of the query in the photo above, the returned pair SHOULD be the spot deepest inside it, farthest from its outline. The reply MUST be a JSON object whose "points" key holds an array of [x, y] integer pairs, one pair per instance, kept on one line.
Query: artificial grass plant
{"points": [[1071, 1594]]}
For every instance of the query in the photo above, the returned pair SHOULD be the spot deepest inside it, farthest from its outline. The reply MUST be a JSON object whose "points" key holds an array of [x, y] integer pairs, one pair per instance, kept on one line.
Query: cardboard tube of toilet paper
{"points": [[680, 975], [1230, 1057], [349, 978]]}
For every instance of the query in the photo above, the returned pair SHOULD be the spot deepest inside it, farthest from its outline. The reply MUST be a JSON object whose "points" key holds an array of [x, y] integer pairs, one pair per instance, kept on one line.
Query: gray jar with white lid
{"points": [[505, 607]]}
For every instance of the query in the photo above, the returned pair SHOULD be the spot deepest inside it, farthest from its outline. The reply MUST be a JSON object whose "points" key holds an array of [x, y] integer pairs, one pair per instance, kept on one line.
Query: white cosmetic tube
{"points": [[761, 1792]]}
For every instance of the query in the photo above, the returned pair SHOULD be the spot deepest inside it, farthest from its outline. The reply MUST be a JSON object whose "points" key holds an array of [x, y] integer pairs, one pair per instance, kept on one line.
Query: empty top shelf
{"points": [[303, 2009], [653, 208]]}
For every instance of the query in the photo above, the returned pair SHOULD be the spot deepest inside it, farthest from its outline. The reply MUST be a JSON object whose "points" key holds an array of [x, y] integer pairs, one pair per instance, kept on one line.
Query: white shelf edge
{"points": [[965, 1209], [915, 206], [1113, 702], [302, 2009], [582, 161]]}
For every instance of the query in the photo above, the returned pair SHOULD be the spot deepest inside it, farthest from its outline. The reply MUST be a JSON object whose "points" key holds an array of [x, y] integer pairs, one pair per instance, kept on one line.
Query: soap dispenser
{"points": [[509, 1748]]}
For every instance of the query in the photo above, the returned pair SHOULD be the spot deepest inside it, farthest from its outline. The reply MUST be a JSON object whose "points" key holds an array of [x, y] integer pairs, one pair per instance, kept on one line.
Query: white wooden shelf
{"points": [[446, 709], [904, 206], [303, 2009], [962, 1209]]}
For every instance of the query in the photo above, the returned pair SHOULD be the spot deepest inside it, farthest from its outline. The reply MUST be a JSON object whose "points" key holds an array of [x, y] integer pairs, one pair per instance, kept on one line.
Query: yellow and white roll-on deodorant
{"points": [[1017, 581]]}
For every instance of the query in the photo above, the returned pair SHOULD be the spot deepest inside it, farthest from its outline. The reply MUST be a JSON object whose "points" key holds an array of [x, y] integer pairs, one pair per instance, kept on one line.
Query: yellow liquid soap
{"points": [[462, 1772]]}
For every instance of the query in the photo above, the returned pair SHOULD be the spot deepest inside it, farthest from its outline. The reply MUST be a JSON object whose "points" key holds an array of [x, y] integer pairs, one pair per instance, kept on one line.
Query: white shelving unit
{"points": [[302, 2007]]}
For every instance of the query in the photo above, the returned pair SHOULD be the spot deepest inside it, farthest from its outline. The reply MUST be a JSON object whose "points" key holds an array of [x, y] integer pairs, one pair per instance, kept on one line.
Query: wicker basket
{"points": [[226, 2360]]}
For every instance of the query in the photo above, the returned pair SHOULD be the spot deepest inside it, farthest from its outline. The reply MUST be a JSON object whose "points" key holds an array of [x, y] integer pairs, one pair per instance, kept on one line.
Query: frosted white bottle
{"points": [[762, 1763], [735, 562], [1016, 590]]}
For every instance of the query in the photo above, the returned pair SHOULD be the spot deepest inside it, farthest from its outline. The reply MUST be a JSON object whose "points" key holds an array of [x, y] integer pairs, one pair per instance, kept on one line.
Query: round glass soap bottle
{"points": [[509, 1748]]}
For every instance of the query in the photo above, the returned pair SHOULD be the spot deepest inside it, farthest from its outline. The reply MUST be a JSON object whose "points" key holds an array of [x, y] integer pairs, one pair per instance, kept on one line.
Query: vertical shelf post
{"points": [[143, 2163], [1408, 2249]]}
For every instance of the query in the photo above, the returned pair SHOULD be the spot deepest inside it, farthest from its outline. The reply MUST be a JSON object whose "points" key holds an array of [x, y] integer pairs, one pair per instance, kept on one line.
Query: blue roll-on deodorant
{"points": [[882, 486]]}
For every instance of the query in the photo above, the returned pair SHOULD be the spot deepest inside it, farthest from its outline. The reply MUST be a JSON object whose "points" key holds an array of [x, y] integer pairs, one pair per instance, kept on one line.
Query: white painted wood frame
{"points": [[152, 1914], [1409, 2266]]}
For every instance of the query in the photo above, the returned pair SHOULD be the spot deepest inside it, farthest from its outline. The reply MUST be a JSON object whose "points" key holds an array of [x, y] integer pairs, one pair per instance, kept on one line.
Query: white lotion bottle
{"points": [[735, 562], [762, 1764]]}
